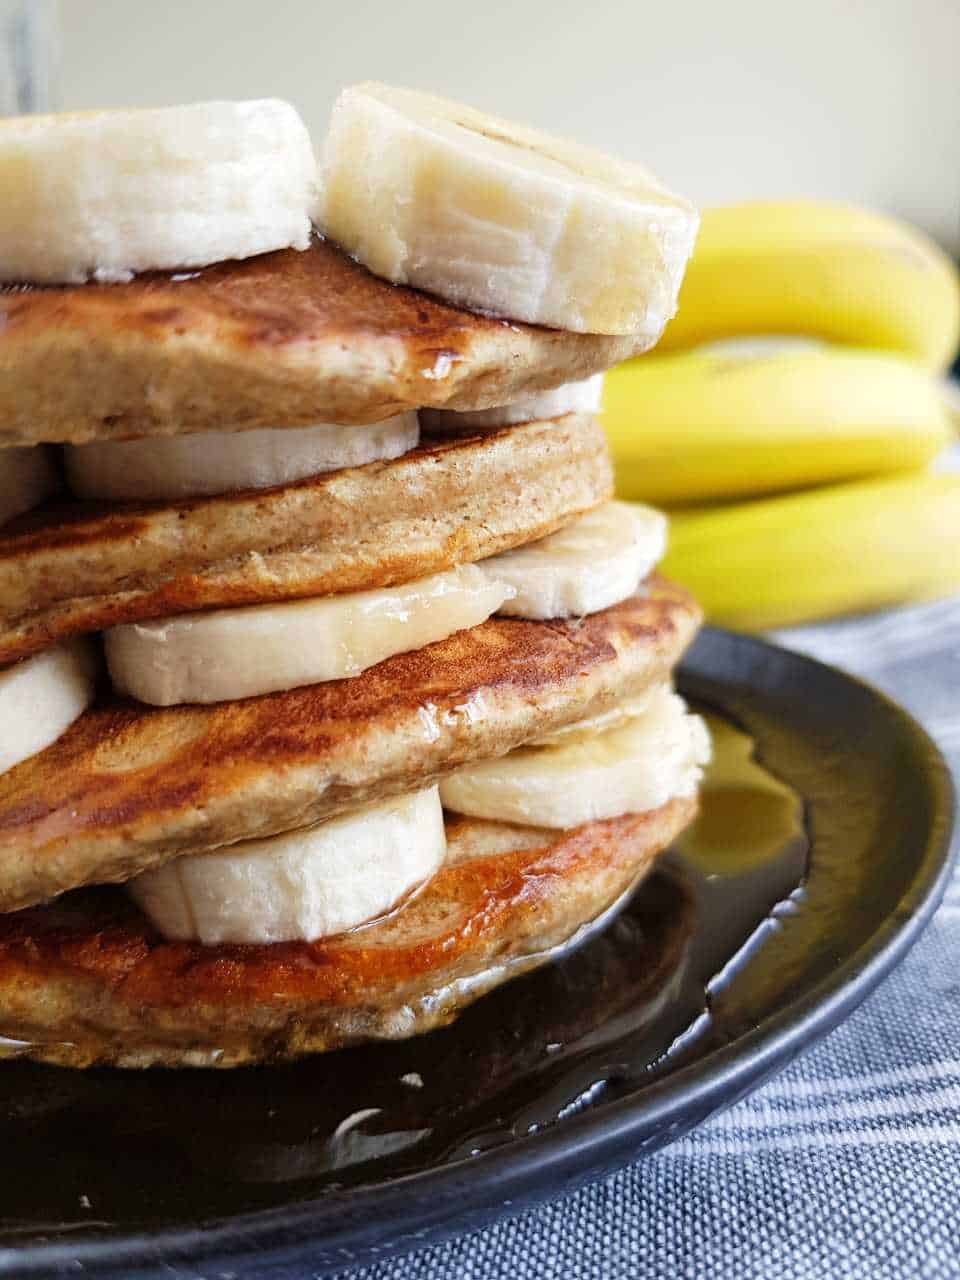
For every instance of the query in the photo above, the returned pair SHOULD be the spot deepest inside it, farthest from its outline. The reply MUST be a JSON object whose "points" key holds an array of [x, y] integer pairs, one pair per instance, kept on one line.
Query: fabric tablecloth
{"points": [[845, 1165]]}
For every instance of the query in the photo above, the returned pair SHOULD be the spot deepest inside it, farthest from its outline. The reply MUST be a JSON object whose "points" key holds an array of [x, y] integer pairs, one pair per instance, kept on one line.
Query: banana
{"points": [[303, 885], [103, 194], [501, 218], [572, 397], [165, 468], [706, 424], [832, 271], [804, 556], [634, 767], [239, 653], [760, 345], [27, 476], [582, 730], [41, 697], [589, 565]]}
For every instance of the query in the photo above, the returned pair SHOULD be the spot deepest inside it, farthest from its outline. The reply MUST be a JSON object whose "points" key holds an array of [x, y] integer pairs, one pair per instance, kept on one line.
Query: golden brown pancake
{"points": [[129, 787], [86, 567], [284, 339], [87, 980]]}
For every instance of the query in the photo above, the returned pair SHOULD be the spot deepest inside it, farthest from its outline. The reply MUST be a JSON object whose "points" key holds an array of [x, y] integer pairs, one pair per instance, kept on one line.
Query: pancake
{"points": [[69, 569], [129, 787], [87, 981], [284, 339]]}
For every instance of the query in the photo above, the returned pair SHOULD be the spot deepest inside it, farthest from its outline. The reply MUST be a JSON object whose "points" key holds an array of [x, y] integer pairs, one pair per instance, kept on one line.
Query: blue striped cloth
{"points": [[847, 1164]]}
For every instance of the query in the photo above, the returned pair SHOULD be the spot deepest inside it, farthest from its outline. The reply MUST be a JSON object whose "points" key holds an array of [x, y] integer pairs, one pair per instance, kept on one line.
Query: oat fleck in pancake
{"points": [[86, 567], [87, 980], [129, 787], [284, 339]]}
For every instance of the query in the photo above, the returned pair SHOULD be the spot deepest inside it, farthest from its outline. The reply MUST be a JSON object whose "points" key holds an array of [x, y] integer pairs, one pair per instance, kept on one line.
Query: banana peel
{"points": [[700, 425], [804, 556], [833, 271]]}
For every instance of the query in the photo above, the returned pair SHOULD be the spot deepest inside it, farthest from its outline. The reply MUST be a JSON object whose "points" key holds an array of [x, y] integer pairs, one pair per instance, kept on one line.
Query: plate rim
{"points": [[528, 1166]]}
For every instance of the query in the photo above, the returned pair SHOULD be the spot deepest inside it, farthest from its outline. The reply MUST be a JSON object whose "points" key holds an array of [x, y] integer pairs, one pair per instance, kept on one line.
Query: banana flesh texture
{"points": [[733, 422], [27, 476], [41, 697], [167, 468], [572, 397], [103, 194], [238, 653], [303, 885], [836, 272], [655, 757], [501, 218], [596, 561], [843, 549]]}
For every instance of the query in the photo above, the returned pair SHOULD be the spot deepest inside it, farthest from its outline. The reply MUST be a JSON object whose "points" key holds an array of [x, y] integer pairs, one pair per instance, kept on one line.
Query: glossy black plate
{"points": [[813, 868]]}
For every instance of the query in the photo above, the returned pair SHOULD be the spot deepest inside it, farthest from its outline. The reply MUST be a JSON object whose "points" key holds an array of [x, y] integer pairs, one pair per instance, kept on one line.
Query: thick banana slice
{"points": [[589, 565], [27, 476], [640, 765], [500, 218], [238, 653], [41, 697], [572, 397], [102, 194], [302, 885], [166, 468]]}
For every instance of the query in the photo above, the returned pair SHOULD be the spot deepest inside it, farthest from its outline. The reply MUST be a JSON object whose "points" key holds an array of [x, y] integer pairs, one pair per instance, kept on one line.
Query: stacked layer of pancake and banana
{"points": [[320, 634]]}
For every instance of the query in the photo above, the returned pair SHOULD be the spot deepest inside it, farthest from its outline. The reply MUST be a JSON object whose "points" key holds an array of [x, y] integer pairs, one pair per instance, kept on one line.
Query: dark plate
{"points": [[720, 970]]}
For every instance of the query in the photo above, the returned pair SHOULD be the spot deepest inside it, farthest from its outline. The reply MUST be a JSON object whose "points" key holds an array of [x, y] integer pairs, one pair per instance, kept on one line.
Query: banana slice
{"points": [[238, 653], [41, 697], [167, 468], [27, 476], [589, 565], [640, 765], [572, 397], [583, 730], [501, 218], [302, 885], [102, 194]]}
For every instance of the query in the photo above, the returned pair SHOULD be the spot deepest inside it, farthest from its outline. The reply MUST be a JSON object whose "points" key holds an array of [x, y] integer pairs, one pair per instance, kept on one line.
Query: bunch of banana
{"points": [[805, 362]]}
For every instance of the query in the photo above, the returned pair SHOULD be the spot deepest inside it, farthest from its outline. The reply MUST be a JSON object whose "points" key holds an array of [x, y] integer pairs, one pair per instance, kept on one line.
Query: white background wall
{"points": [[725, 99]]}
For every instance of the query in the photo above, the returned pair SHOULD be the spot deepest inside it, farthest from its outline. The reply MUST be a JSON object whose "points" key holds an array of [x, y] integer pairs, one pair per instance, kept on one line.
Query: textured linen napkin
{"points": [[845, 1165]]}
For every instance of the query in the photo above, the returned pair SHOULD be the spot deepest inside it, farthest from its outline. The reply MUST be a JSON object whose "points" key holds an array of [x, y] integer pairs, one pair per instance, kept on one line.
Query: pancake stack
{"points": [[334, 687]]}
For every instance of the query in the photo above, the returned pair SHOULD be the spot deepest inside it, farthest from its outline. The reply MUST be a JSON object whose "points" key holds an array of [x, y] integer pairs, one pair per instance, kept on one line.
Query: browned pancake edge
{"points": [[87, 981], [283, 339], [86, 567]]}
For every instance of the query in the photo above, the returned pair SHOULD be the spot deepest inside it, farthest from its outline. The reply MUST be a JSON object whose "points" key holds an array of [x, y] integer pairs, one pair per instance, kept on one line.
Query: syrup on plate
{"points": [[661, 982]]}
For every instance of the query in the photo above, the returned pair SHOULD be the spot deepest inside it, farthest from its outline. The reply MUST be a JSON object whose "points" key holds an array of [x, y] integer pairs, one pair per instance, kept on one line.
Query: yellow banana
{"points": [[697, 425], [804, 556], [834, 271]]}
